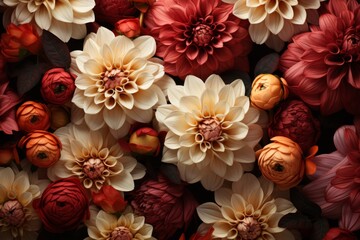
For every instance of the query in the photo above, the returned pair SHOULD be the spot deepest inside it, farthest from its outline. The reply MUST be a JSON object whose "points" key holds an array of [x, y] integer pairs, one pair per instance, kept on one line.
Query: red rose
{"points": [[57, 86], [339, 234], [109, 199], [128, 27], [63, 205]]}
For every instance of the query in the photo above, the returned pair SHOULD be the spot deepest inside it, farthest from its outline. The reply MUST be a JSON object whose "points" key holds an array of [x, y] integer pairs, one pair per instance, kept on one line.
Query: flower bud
{"points": [[267, 91], [42, 148], [145, 141], [33, 116], [282, 162], [128, 27], [60, 116], [58, 86], [18, 41], [109, 199]]}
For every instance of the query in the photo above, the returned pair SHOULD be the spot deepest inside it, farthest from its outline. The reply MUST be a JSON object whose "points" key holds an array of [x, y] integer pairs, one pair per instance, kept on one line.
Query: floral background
{"points": [[170, 119]]}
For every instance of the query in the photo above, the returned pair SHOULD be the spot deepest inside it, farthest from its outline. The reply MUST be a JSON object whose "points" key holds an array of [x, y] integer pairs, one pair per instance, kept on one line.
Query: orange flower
{"points": [[18, 41], [282, 162], [33, 116], [109, 199], [42, 148], [145, 141], [267, 91], [129, 27]]}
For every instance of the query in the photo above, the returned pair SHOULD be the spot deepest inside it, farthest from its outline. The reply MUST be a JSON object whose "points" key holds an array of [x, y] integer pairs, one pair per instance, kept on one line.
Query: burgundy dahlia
{"points": [[198, 37], [294, 120], [323, 66], [168, 207]]}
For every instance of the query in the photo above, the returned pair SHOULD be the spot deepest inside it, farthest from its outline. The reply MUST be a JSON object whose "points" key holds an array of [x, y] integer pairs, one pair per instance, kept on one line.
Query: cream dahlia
{"points": [[247, 211], [18, 219], [198, 37], [65, 18], [95, 157], [212, 130], [274, 21], [118, 81], [105, 226]]}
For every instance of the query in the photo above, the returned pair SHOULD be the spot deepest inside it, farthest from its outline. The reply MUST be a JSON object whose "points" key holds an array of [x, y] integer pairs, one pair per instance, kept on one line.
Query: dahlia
{"points": [[18, 219], [65, 19], [335, 186], [118, 81], [104, 226], [247, 211], [95, 158], [323, 66], [198, 37], [274, 21], [8, 101], [212, 130]]}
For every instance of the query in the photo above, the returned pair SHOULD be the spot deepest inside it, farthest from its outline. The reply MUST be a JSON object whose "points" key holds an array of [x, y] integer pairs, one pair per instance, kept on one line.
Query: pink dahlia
{"points": [[336, 182], [323, 66], [198, 37], [8, 101]]}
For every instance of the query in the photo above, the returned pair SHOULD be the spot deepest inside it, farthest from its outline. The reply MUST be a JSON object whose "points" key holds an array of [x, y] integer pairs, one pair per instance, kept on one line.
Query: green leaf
{"points": [[267, 64], [303, 204], [295, 221], [55, 50]]}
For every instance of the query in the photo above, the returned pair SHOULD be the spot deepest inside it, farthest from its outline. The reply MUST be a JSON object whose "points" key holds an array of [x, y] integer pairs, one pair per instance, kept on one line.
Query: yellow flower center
{"points": [[249, 229], [210, 129], [12, 213], [93, 168], [121, 233]]}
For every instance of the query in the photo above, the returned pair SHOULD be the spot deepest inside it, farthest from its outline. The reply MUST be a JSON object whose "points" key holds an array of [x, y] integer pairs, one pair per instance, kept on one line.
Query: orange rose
{"points": [[33, 116], [18, 41], [282, 162], [267, 91], [42, 148], [145, 141], [128, 27]]}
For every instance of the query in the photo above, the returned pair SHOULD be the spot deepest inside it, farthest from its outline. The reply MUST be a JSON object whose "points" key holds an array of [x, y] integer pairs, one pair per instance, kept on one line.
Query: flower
{"points": [[17, 217], [212, 130], [18, 41], [322, 66], [59, 116], [118, 82], [95, 158], [128, 226], [339, 234], [198, 37], [33, 116], [200, 235], [294, 120], [273, 22], [8, 101], [334, 186], [109, 199], [42, 148], [267, 91], [282, 162], [65, 19], [247, 211], [129, 27], [168, 207], [57, 86], [145, 141], [111, 11], [63, 205]]}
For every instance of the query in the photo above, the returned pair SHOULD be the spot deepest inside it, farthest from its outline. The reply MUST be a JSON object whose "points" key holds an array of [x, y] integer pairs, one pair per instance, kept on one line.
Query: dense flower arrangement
{"points": [[180, 120]]}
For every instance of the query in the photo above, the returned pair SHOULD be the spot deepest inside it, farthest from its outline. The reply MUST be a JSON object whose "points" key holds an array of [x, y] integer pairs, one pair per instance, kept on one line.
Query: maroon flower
{"points": [[166, 206], [111, 11], [198, 37], [294, 120], [8, 100], [339, 234], [63, 205], [323, 66]]}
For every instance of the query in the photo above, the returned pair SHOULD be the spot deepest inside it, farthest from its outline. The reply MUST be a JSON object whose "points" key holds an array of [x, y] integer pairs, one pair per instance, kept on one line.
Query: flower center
{"points": [[121, 233], [93, 168], [249, 228], [351, 43], [13, 213], [210, 129], [115, 79], [203, 34]]}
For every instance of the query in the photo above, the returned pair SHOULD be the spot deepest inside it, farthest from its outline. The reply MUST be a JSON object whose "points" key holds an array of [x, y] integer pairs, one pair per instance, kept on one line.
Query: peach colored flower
{"points": [[282, 162], [42, 148], [129, 27], [33, 116], [145, 141], [267, 91]]}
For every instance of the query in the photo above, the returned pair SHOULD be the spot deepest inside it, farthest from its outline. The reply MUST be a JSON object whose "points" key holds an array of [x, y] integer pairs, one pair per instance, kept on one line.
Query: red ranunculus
{"points": [[168, 207], [109, 199], [111, 11], [63, 206], [339, 234], [58, 86]]}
